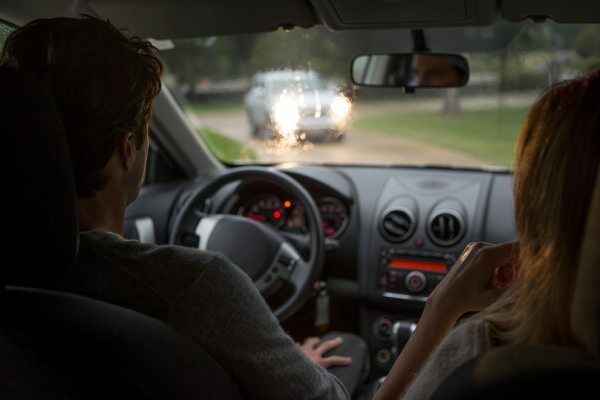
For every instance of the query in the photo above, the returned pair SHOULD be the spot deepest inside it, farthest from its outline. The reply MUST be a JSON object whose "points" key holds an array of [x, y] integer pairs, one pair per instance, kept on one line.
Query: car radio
{"points": [[411, 274]]}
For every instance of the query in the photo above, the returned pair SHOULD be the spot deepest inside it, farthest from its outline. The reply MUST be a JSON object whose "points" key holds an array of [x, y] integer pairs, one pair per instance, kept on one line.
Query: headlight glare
{"points": [[285, 115], [341, 108]]}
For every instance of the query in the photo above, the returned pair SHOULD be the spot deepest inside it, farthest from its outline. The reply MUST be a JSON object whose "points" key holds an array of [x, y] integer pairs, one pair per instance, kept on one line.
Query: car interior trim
{"points": [[400, 296], [204, 228], [145, 230]]}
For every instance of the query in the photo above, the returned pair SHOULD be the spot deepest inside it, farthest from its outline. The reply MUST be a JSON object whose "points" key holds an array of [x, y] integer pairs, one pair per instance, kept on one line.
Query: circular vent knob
{"points": [[445, 228], [397, 225]]}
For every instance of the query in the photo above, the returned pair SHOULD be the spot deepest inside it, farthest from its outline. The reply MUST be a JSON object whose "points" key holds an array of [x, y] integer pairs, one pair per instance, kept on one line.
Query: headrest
{"points": [[40, 228], [585, 312]]}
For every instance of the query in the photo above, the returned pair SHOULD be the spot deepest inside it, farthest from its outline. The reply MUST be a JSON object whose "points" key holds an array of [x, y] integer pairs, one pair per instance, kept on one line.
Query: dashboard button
{"points": [[415, 281], [383, 356], [383, 279], [383, 327]]}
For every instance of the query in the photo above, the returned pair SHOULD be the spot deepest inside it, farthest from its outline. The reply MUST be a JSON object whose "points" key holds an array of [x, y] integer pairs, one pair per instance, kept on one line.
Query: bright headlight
{"points": [[285, 115], [340, 108]]}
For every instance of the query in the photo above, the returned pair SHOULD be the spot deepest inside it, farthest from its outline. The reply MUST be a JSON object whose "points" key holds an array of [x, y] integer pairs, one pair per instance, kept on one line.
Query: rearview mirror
{"points": [[410, 70]]}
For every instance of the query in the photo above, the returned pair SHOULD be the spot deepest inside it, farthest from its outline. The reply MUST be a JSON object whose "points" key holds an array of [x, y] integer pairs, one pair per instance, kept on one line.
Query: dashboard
{"points": [[392, 233]]}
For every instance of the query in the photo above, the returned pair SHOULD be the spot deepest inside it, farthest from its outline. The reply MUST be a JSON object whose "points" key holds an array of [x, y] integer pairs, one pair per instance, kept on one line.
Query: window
{"points": [[5, 30]]}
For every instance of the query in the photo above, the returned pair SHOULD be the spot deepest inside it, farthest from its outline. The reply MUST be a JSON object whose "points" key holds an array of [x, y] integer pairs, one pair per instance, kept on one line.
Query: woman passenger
{"points": [[523, 290]]}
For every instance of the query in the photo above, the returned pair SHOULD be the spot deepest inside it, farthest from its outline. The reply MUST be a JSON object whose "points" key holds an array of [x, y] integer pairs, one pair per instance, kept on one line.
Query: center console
{"points": [[422, 222], [405, 277]]}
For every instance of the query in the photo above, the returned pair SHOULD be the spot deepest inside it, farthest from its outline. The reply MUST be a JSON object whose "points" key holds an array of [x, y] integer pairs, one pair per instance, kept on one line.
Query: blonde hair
{"points": [[557, 156]]}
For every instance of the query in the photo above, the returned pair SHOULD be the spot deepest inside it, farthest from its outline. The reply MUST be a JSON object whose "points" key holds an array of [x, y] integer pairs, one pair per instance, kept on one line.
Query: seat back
{"points": [[60, 345], [40, 224], [585, 311]]}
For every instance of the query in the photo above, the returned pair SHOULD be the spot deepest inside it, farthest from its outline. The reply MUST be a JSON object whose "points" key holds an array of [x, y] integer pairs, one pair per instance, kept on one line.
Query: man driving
{"points": [[104, 83]]}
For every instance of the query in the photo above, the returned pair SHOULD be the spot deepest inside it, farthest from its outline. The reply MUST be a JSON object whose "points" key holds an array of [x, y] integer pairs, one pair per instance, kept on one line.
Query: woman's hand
{"points": [[472, 283]]}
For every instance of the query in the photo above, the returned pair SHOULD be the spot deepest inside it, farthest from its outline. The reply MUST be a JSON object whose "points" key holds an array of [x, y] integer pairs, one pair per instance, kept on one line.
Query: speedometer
{"points": [[334, 216], [265, 208]]}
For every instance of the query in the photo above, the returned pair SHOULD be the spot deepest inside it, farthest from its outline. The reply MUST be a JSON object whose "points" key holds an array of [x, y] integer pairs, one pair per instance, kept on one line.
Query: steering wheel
{"points": [[264, 254]]}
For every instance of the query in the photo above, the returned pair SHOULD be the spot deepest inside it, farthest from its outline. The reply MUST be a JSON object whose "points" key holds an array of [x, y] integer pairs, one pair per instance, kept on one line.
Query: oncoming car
{"points": [[370, 184], [297, 103]]}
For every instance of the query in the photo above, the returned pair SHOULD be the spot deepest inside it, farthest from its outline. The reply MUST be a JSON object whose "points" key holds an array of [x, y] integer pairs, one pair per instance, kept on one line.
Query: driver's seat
{"points": [[60, 345]]}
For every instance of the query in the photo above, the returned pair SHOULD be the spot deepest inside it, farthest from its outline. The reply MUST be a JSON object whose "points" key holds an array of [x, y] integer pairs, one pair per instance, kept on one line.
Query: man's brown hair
{"points": [[103, 83]]}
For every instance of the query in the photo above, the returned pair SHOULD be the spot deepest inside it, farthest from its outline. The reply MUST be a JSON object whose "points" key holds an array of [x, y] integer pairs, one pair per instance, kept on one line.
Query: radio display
{"points": [[430, 266]]}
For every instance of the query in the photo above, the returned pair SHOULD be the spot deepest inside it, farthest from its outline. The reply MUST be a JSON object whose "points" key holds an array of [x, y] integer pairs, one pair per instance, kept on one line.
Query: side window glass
{"points": [[5, 30], [160, 168]]}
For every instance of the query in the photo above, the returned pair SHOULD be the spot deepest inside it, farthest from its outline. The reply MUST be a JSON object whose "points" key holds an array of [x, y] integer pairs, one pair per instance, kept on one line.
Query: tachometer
{"points": [[265, 208], [334, 216]]}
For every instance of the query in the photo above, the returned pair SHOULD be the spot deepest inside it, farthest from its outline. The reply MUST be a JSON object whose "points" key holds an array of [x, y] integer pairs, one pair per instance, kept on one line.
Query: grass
{"points": [[226, 149], [212, 107], [488, 134]]}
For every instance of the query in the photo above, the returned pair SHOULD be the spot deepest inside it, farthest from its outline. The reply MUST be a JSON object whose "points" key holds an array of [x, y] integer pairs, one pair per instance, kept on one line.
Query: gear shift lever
{"points": [[401, 331]]}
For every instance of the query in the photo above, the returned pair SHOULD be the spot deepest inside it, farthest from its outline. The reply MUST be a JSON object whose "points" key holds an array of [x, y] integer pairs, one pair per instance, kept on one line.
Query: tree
{"points": [[587, 42]]}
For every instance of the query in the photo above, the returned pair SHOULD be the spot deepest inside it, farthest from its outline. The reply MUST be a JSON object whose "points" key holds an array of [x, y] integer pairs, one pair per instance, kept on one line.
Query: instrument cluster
{"points": [[285, 213]]}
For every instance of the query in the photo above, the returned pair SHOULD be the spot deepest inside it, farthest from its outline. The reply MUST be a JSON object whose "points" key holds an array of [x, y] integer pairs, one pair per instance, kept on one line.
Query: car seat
{"points": [[544, 371], [60, 345]]}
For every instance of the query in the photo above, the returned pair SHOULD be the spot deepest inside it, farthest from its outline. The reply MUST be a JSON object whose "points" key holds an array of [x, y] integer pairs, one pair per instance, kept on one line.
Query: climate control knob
{"points": [[415, 281]]}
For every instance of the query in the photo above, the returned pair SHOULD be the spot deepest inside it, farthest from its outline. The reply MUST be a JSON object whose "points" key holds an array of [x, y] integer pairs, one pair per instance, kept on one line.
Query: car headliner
{"points": [[172, 19]]}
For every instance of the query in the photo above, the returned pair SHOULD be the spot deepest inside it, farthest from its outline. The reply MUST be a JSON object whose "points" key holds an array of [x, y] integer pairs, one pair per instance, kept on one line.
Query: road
{"points": [[359, 147]]}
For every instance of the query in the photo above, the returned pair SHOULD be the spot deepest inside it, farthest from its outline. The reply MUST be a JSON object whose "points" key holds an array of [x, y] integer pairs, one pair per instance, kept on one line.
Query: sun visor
{"points": [[583, 11], [192, 18], [376, 14], [464, 39]]}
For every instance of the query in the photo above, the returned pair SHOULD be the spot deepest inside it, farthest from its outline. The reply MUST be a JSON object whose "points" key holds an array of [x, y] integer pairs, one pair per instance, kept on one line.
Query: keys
{"points": [[322, 308]]}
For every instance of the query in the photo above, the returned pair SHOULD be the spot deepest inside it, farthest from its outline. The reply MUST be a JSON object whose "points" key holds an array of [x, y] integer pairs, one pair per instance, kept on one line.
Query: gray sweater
{"points": [[207, 298], [462, 344]]}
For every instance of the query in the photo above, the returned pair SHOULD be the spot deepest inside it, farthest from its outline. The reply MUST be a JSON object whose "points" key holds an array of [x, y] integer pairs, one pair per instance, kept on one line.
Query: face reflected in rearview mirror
{"points": [[413, 70]]}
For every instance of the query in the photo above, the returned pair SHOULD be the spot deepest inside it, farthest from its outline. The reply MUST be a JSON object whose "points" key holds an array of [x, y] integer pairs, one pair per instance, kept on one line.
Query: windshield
{"points": [[279, 85], [286, 96]]}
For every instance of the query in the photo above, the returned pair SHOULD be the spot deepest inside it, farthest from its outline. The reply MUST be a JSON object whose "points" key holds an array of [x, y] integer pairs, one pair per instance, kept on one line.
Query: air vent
{"points": [[397, 225], [445, 228]]}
